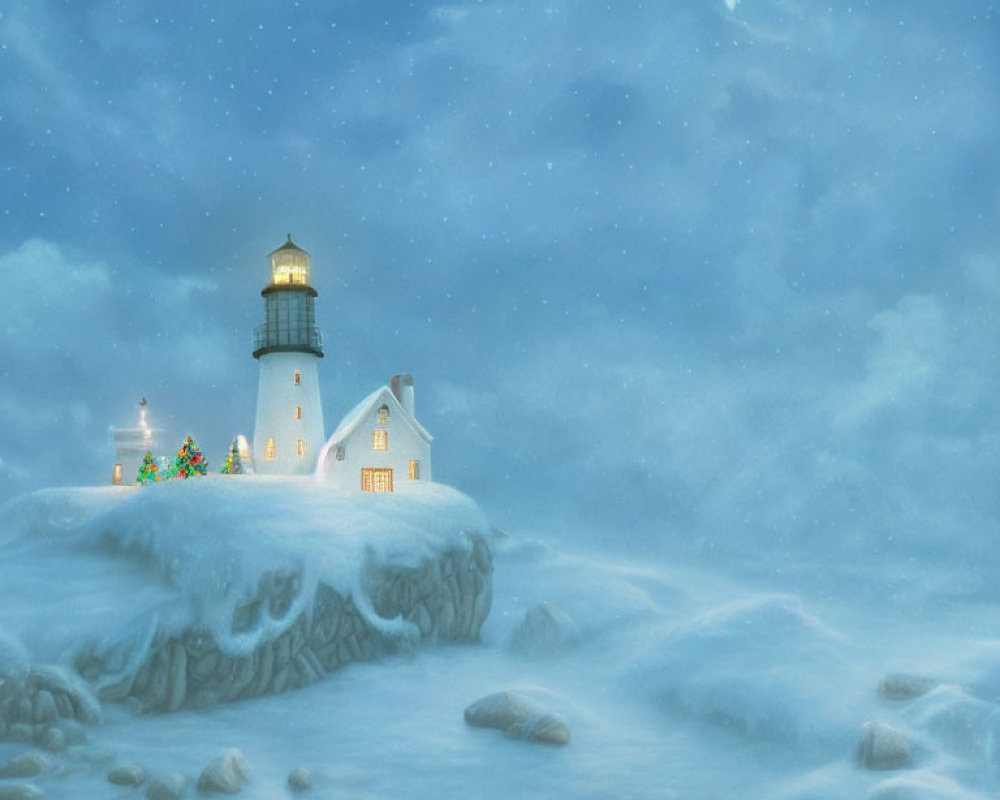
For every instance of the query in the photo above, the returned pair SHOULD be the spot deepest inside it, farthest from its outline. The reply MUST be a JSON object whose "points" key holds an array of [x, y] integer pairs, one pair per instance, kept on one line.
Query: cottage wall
{"points": [[342, 460]]}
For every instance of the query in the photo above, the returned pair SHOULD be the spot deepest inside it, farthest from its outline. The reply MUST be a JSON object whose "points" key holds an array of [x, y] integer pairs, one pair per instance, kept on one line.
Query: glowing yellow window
{"points": [[269, 449], [383, 414], [300, 447], [414, 470], [380, 439], [298, 412], [376, 479], [297, 378]]}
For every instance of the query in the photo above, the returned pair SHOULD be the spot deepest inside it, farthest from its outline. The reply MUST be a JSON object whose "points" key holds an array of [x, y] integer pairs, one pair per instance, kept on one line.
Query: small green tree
{"points": [[234, 464], [188, 461], [148, 471]]}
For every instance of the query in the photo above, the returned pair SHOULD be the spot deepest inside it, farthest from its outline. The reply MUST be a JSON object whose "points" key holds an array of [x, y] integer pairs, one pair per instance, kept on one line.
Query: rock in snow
{"points": [[167, 787], [884, 747], [25, 766], [299, 779], [38, 704], [127, 775], [225, 774], [546, 631], [53, 738], [19, 791], [519, 717], [902, 686]]}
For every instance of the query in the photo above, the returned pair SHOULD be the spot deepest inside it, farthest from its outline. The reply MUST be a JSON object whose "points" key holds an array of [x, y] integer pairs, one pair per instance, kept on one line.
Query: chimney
{"points": [[402, 388]]}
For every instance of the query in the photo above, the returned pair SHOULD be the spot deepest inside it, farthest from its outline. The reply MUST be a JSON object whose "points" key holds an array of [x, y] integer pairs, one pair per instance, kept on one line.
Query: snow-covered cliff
{"points": [[195, 592]]}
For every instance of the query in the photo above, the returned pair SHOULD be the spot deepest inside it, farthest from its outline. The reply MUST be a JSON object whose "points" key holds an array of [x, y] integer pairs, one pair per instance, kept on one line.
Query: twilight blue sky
{"points": [[669, 270]]}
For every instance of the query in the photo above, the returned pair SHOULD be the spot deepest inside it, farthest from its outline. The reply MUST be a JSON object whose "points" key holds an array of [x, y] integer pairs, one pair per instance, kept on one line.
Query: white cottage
{"points": [[379, 443]]}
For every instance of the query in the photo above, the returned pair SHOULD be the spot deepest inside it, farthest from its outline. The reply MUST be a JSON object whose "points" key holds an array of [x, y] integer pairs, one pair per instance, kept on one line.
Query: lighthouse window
{"points": [[298, 412], [297, 379], [383, 414], [300, 447], [341, 452], [380, 440], [269, 449]]}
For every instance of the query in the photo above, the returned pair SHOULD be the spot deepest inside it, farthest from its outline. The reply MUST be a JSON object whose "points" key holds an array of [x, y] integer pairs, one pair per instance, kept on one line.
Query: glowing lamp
{"points": [[290, 265]]}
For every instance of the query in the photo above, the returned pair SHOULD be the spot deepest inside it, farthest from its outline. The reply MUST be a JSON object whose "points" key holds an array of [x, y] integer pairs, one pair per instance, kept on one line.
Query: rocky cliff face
{"points": [[44, 705], [444, 598]]}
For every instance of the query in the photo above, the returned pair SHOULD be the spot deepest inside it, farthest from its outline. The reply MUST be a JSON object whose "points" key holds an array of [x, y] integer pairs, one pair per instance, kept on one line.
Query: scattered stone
{"points": [[546, 631], [64, 706], [19, 791], [73, 732], [545, 729], [25, 766], [519, 717], [225, 774], [902, 686], [45, 710], [21, 732], [884, 747], [299, 779], [57, 682], [167, 787], [92, 754], [127, 775], [177, 667], [53, 739]]}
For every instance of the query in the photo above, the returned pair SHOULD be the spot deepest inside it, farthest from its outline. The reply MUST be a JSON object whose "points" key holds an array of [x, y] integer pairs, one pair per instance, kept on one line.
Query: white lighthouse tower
{"points": [[288, 431]]}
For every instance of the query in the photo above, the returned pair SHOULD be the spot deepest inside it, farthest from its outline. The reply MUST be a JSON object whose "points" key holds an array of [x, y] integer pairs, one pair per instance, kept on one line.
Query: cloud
{"points": [[53, 306], [913, 342]]}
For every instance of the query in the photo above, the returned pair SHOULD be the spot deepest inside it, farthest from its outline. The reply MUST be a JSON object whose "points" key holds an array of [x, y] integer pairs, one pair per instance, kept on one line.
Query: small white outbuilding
{"points": [[379, 443]]}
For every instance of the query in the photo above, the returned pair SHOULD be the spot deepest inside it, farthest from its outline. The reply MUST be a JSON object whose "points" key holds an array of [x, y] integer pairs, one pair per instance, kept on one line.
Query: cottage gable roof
{"points": [[366, 409]]}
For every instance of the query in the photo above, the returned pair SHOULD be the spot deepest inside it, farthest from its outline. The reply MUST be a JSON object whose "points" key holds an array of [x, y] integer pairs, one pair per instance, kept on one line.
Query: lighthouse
{"points": [[288, 430]]}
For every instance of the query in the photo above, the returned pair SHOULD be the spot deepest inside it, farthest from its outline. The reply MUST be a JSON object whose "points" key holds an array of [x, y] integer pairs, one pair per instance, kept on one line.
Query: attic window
{"points": [[380, 439], [269, 449], [383, 414], [297, 378]]}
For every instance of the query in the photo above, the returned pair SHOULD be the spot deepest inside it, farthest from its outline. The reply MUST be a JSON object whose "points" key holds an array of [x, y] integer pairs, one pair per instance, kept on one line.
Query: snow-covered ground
{"points": [[682, 678]]}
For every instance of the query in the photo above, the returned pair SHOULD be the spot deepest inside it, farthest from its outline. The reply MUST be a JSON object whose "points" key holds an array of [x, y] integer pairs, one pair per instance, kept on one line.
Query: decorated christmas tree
{"points": [[148, 471], [234, 464], [188, 461]]}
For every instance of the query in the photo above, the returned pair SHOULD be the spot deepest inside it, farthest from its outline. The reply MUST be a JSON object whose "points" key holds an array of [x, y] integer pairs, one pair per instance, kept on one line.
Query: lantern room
{"points": [[290, 265]]}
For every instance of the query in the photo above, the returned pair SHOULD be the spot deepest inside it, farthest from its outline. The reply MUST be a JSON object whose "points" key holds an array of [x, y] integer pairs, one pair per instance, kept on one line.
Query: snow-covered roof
{"points": [[356, 416]]}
